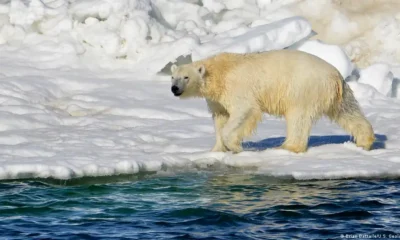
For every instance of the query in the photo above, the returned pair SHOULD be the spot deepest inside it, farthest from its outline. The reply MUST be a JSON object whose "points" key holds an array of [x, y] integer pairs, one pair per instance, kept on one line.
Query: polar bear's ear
{"points": [[173, 67], [202, 70]]}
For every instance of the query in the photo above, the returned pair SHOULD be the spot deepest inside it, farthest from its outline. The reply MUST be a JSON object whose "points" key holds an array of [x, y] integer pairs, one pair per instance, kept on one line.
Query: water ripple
{"points": [[198, 206]]}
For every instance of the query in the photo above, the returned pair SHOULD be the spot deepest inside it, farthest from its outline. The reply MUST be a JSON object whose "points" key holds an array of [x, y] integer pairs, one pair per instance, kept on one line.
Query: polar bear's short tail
{"points": [[349, 116]]}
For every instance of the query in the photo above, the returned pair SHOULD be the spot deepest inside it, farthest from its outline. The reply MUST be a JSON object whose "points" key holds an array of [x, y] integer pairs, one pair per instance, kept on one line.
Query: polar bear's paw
{"points": [[219, 148], [294, 148], [234, 147]]}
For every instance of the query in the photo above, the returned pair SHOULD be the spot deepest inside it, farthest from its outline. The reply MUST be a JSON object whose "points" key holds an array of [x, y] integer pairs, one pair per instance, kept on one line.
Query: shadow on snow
{"points": [[314, 141]]}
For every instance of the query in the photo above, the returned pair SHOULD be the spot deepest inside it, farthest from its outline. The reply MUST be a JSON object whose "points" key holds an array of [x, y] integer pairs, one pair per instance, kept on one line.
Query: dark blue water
{"points": [[199, 206]]}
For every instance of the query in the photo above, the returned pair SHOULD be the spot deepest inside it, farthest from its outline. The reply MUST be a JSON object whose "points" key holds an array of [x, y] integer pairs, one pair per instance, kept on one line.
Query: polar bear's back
{"points": [[288, 65], [278, 79], [299, 79]]}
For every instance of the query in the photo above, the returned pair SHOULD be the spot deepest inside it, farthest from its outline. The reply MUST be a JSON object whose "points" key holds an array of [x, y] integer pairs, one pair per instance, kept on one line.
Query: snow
{"points": [[278, 35], [378, 76], [81, 92]]}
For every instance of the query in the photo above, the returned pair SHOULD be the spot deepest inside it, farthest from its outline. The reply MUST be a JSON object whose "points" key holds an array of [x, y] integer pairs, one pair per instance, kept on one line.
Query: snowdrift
{"points": [[80, 95]]}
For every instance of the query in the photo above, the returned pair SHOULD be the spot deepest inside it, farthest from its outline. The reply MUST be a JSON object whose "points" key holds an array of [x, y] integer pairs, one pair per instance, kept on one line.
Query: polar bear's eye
{"points": [[186, 78]]}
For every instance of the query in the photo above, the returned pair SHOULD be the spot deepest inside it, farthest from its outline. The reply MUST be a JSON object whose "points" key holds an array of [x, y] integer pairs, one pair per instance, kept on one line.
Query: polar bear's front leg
{"points": [[219, 122], [232, 134], [240, 125]]}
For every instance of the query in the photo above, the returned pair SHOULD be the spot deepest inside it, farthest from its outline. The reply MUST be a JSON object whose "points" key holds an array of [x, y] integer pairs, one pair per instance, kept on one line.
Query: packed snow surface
{"points": [[80, 93]]}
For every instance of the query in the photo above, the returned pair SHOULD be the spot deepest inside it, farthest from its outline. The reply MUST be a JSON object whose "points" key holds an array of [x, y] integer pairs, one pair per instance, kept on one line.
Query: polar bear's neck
{"points": [[217, 68]]}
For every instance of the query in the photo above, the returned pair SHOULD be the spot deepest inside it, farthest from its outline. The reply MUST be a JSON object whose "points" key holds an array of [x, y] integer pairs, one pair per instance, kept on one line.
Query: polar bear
{"points": [[292, 84]]}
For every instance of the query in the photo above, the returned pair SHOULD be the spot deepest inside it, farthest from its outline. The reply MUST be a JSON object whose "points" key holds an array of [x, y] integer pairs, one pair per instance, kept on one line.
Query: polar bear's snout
{"points": [[176, 90], [178, 86]]}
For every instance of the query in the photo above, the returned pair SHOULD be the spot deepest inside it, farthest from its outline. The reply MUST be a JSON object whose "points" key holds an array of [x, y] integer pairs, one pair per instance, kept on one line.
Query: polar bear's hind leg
{"points": [[350, 117]]}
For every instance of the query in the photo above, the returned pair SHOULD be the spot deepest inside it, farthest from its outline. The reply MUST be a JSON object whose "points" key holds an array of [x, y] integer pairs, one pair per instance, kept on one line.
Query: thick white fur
{"points": [[301, 87]]}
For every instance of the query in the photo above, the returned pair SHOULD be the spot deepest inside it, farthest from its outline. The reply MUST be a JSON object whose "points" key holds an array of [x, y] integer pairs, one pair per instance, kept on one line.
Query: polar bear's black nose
{"points": [[174, 89]]}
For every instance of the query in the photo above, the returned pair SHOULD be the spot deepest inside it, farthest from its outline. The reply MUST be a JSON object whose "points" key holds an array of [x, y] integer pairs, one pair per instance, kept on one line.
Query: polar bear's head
{"points": [[187, 80]]}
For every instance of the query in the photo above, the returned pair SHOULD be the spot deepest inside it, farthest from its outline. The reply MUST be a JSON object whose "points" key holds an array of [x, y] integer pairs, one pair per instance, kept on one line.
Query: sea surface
{"points": [[201, 205]]}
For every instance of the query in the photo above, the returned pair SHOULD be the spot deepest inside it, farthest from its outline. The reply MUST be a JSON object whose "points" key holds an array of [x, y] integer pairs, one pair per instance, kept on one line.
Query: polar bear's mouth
{"points": [[177, 94]]}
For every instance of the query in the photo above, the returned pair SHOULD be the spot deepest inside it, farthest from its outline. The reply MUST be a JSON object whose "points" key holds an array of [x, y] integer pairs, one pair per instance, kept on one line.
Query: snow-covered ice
{"points": [[80, 93]]}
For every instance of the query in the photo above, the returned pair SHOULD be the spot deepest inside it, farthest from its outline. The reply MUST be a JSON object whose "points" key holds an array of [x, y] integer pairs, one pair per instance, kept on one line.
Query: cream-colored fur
{"points": [[299, 86]]}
